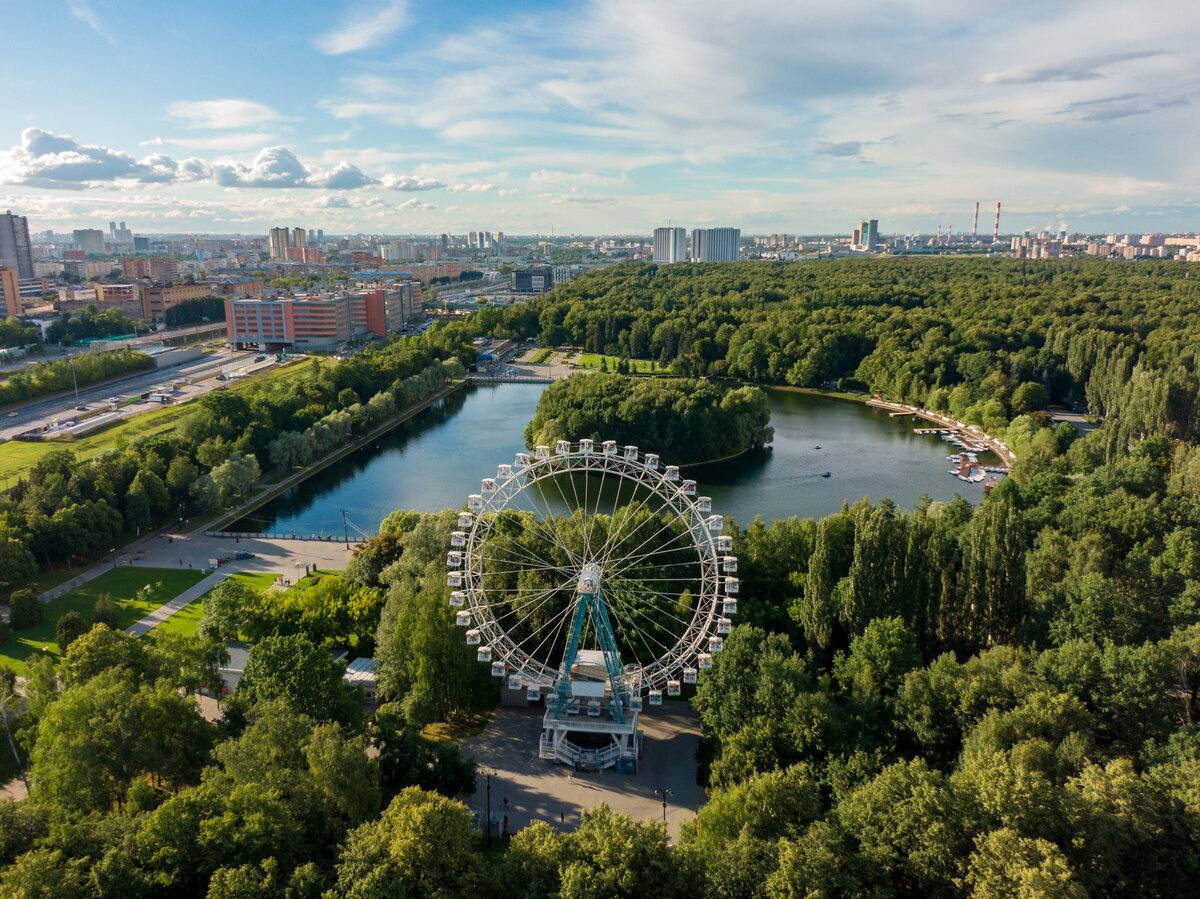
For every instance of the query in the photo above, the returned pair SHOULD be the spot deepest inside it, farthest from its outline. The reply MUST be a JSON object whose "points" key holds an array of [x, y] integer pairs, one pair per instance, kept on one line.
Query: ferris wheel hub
{"points": [[589, 580]]}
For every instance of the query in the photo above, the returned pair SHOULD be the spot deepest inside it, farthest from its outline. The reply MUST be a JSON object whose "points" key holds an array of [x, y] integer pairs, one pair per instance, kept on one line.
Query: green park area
{"points": [[187, 620], [636, 366], [135, 593], [541, 356]]}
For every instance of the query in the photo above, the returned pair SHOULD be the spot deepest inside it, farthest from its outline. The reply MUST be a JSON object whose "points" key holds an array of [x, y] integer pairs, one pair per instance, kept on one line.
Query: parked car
{"points": [[243, 554]]}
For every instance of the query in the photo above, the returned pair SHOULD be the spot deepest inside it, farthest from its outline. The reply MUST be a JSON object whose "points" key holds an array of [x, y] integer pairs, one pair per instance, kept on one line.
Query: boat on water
{"points": [[826, 475]]}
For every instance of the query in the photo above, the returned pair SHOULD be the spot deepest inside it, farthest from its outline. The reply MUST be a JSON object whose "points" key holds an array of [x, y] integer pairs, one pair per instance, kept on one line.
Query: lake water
{"points": [[436, 459]]}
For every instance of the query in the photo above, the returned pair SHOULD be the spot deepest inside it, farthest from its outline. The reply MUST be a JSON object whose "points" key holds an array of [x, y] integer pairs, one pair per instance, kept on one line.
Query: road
{"points": [[45, 411]]}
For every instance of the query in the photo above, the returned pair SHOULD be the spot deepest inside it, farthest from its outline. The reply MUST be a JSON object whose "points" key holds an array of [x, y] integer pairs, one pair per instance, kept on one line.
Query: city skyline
{"points": [[399, 116]]}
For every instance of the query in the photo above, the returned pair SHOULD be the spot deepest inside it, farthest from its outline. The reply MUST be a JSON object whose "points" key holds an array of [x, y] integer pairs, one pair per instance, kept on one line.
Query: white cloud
{"points": [[363, 27], [344, 176], [223, 113], [414, 203], [51, 160], [470, 188], [272, 167], [409, 182], [86, 15]]}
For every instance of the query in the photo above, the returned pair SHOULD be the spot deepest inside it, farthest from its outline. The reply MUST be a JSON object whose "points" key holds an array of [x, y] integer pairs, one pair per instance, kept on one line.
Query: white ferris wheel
{"points": [[593, 578]]}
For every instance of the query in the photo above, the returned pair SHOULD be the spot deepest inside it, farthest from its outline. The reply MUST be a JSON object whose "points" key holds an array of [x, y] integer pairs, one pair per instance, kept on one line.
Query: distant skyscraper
{"points": [[15, 250], [299, 238], [280, 239], [90, 240], [868, 234], [716, 244], [670, 245]]}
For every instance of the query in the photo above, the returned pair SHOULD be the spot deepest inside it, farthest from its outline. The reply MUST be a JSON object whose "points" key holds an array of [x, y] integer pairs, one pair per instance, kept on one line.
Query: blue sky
{"points": [[407, 116]]}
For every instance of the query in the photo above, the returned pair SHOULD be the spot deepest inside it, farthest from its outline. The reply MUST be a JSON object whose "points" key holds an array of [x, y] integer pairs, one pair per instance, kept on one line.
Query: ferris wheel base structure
{"points": [[595, 608]]}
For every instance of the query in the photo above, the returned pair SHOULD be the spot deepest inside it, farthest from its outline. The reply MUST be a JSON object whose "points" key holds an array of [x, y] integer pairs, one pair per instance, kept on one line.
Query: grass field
{"points": [[541, 356], [122, 584], [187, 619], [642, 366]]}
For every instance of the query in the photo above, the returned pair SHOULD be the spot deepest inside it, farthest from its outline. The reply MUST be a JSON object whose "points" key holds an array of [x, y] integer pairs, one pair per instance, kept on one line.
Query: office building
{"points": [[866, 235], [535, 279], [716, 244], [141, 245], [670, 245], [157, 299], [299, 237], [280, 239], [90, 240], [15, 249], [135, 268], [163, 270], [314, 323]]}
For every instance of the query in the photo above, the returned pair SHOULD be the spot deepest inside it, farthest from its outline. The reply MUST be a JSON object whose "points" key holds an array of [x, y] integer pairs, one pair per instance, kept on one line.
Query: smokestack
{"points": [[996, 230], [975, 221], [939, 237]]}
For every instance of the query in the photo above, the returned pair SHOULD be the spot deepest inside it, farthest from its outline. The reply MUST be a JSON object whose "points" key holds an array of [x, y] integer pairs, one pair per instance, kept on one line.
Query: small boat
{"points": [[817, 447], [826, 475]]}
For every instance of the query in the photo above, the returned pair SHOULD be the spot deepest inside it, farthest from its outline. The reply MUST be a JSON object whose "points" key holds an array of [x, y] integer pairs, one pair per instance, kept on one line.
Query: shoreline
{"points": [[997, 446]]}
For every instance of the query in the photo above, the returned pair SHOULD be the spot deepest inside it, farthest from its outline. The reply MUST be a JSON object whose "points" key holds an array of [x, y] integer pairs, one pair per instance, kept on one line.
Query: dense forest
{"points": [[959, 335], [683, 420], [999, 700]]}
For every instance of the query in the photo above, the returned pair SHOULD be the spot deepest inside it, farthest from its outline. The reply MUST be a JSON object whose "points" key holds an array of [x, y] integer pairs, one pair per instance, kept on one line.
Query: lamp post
{"points": [[487, 823], [665, 794]]}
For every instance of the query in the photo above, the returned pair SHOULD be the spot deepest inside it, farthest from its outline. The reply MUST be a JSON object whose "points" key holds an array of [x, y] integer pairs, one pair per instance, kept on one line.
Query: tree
{"points": [[205, 492], [420, 847], [105, 612], [1005, 864], [611, 855], [100, 650], [68, 628], [25, 610], [225, 609], [99, 736], [406, 759], [1029, 397], [290, 667]]}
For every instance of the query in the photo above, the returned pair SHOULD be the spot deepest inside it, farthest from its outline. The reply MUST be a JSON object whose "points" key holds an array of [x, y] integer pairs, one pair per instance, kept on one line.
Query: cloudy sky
{"points": [[600, 116]]}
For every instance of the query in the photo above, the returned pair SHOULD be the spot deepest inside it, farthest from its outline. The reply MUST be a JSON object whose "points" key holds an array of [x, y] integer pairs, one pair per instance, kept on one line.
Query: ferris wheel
{"points": [[593, 563]]}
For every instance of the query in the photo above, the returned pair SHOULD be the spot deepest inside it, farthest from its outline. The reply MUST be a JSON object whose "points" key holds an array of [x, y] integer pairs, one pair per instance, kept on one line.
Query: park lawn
{"points": [[122, 584], [542, 356], [187, 620], [641, 366], [459, 726]]}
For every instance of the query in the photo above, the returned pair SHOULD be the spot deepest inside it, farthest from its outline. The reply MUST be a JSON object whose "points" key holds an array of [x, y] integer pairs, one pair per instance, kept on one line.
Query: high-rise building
{"points": [[90, 240], [280, 239], [10, 290], [15, 249], [716, 244], [299, 238], [868, 234], [670, 245]]}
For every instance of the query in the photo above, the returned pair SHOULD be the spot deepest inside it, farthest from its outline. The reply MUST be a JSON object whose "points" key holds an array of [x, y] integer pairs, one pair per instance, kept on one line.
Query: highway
{"points": [[49, 409]]}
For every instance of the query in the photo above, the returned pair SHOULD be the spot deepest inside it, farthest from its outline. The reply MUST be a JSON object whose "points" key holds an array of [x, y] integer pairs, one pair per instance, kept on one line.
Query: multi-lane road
{"points": [[37, 413]]}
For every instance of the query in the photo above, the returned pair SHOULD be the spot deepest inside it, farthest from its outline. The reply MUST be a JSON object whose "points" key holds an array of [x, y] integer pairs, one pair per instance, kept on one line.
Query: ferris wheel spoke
{"points": [[643, 633], [553, 629], [629, 514], [495, 537], [666, 525], [622, 564], [672, 600], [524, 614], [543, 522], [523, 561]]}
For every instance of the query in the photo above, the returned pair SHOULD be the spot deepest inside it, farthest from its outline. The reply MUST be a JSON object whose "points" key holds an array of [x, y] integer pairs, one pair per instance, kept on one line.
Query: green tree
{"points": [[68, 628], [420, 847], [290, 667]]}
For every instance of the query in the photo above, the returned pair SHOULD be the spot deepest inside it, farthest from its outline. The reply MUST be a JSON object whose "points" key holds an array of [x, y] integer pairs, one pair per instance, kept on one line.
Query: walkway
{"points": [[165, 611], [997, 446]]}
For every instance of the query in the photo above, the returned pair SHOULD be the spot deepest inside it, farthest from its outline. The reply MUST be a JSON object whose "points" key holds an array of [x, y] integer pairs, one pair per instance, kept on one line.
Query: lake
{"points": [[437, 458]]}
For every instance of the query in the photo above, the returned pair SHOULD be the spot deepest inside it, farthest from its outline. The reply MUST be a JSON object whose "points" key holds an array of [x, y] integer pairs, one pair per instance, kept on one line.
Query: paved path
{"points": [[539, 790], [166, 610]]}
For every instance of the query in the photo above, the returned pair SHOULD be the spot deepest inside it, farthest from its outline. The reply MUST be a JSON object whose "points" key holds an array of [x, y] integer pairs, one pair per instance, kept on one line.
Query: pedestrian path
{"points": [[166, 610]]}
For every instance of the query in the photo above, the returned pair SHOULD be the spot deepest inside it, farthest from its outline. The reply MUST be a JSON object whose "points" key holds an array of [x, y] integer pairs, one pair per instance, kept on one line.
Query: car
{"points": [[12, 414], [81, 408], [243, 554]]}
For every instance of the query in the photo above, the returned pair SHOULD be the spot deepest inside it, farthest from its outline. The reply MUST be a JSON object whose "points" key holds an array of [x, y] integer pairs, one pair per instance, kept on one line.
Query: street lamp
{"points": [[487, 824], [665, 794]]}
